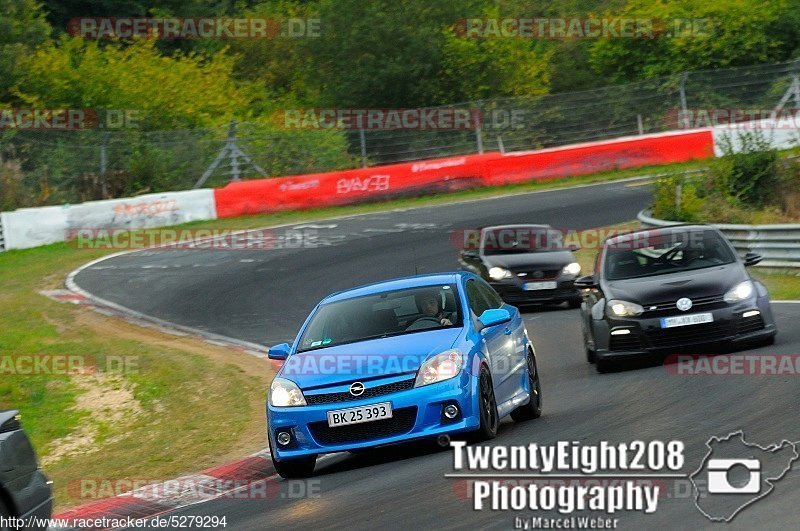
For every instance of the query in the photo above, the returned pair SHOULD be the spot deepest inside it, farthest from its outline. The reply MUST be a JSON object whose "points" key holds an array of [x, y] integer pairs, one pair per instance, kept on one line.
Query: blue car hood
{"points": [[366, 360]]}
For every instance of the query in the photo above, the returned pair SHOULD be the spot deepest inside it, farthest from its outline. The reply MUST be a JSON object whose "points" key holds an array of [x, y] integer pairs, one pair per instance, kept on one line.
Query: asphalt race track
{"points": [[262, 296]]}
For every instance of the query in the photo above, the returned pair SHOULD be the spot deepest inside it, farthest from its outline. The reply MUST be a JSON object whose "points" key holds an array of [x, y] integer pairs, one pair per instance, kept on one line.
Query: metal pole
{"points": [[233, 152], [500, 145], [640, 124], [684, 107], [362, 138], [103, 165], [678, 196], [478, 139]]}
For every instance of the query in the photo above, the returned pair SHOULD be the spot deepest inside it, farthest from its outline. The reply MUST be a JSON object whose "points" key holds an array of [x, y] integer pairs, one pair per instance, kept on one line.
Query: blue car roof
{"points": [[396, 284]]}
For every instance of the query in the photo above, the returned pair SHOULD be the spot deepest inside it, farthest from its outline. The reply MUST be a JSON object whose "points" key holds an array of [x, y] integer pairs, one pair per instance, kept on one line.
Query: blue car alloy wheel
{"points": [[396, 361]]}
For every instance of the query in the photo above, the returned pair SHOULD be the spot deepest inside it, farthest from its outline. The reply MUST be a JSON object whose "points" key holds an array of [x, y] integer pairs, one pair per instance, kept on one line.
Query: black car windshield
{"points": [[656, 253], [390, 313], [519, 240]]}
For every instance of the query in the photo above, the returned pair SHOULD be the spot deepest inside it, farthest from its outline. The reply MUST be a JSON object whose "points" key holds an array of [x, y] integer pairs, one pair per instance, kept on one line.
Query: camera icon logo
{"points": [[719, 478]]}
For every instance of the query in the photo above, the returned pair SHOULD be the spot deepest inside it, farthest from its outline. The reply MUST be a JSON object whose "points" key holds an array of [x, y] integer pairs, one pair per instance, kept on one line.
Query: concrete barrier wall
{"points": [[32, 227]]}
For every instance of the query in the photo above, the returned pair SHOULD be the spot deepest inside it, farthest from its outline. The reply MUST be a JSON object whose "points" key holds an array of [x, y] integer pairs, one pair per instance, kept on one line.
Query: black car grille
{"points": [[370, 392], [402, 421], [750, 324], [687, 335], [533, 274], [698, 303], [629, 342]]}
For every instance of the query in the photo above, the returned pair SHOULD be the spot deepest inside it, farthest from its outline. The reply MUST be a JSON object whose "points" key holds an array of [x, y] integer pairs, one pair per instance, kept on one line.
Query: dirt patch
{"points": [[109, 400], [253, 437]]}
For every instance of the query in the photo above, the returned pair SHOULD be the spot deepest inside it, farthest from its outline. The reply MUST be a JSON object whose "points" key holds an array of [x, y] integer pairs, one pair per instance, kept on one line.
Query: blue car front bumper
{"points": [[416, 413]]}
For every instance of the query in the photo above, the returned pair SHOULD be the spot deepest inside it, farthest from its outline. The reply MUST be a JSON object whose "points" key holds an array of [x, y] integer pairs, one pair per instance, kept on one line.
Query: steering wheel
{"points": [[428, 318]]}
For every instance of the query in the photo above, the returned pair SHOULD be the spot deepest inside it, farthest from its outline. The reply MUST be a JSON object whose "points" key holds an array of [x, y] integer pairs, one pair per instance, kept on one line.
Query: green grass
{"points": [[192, 409]]}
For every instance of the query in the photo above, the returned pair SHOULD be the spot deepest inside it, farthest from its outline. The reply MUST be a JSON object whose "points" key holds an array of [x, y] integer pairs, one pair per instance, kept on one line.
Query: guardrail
{"points": [[778, 244]]}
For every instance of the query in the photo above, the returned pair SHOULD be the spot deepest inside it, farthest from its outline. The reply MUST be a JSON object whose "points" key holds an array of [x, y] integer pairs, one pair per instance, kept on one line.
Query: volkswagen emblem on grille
{"points": [[538, 274], [684, 304], [357, 389]]}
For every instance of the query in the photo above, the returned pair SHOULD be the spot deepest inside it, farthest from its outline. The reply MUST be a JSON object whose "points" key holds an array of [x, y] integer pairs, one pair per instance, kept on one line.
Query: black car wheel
{"points": [[488, 407], [589, 355], [575, 302], [533, 409], [293, 468], [5, 515]]}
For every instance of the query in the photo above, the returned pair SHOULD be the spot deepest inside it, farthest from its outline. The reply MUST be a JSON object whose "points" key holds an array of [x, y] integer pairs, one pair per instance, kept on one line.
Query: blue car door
{"points": [[497, 344]]}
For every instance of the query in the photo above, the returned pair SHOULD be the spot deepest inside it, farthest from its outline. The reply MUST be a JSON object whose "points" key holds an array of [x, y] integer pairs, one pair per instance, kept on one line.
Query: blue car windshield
{"points": [[644, 254], [390, 313]]}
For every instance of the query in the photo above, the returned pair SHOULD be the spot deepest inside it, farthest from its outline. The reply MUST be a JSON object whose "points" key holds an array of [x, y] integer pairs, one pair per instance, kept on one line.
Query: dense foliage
{"points": [[368, 53]]}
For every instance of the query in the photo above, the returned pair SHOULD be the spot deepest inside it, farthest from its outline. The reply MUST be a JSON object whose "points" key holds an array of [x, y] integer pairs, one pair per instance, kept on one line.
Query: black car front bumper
{"points": [[646, 336]]}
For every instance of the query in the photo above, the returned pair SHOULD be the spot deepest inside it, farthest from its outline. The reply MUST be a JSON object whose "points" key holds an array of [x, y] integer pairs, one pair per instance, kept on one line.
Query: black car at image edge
{"points": [[25, 491], [668, 290]]}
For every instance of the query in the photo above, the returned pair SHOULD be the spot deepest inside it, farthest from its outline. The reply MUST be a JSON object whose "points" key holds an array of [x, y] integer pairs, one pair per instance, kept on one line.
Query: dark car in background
{"points": [[24, 489], [669, 289], [525, 264]]}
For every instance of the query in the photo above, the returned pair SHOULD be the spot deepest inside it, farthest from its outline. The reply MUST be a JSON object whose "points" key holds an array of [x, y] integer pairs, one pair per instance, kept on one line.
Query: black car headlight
{"points": [[624, 308], [499, 273], [573, 269], [742, 291]]}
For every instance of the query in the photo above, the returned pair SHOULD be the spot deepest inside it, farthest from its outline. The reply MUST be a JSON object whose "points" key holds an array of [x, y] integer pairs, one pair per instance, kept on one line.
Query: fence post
{"points": [[639, 124], [683, 122], [478, 139], [363, 140], [103, 165]]}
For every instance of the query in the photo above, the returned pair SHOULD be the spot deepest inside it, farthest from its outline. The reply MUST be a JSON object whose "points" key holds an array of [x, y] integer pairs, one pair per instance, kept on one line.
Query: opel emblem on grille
{"points": [[357, 389], [684, 304]]}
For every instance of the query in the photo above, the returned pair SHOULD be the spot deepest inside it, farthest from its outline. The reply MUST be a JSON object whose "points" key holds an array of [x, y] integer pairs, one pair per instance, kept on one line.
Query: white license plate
{"points": [[357, 415], [533, 286], [686, 320]]}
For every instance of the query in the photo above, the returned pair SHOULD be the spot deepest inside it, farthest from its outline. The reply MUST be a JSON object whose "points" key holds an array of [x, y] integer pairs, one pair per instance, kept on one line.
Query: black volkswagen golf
{"points": [[670, 288], [525, 264]]}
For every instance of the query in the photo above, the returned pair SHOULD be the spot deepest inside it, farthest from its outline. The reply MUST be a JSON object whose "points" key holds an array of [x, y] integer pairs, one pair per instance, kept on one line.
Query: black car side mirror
{"points": [[587, 282], [751, 259], [471, 254]]}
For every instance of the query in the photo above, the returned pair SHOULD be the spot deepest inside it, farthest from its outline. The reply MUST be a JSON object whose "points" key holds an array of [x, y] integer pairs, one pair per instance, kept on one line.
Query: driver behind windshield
{"points": [[429, 305]]}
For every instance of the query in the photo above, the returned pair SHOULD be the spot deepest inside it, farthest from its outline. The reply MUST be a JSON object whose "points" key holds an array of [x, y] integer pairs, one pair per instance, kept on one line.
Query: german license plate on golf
{"points": [[686, 320], [357, 415], [533, 286]]}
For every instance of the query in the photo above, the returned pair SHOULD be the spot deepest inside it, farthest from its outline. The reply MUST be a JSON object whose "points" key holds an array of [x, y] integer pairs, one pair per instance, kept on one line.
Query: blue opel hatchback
{"points": [[400, 360]]}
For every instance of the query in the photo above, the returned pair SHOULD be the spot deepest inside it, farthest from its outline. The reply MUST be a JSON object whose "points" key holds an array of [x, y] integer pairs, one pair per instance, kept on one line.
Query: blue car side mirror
{"points": [[279, 352], [494, 316]]}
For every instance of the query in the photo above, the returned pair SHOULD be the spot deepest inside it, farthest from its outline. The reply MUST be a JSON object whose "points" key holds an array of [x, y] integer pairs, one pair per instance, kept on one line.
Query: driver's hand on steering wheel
{"points": [[445, 322]]}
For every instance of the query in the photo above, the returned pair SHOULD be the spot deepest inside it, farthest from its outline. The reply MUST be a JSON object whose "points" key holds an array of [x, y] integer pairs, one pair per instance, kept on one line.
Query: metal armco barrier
{"points": [[778, 244]]}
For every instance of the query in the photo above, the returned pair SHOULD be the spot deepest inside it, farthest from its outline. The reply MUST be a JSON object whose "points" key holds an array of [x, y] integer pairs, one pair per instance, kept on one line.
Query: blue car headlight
{"points": [[440, 367], [740, 292], [285, 393]]}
